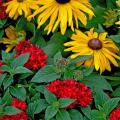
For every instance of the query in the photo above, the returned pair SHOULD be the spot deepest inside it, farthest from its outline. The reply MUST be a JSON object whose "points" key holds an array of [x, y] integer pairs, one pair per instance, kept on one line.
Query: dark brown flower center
{"points": [[20, 0], [95, 44], [62, 1]]}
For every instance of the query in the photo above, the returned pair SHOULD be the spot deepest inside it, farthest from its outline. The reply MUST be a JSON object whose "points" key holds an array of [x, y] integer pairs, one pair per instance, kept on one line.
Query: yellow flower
{"points": [[16, 8], [117, 23], [63, 12], [102, 49], [13, 37]]}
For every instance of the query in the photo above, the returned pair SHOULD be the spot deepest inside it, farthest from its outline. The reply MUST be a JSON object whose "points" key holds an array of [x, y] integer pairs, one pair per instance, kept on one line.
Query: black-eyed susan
{"points": [[13, 37], [118, 23], [16, 8], [102, 49], [63, 12]]}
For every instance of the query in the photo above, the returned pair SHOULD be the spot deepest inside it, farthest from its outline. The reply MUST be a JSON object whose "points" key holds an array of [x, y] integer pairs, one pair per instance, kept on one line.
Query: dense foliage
{"points": [[59, 60]]}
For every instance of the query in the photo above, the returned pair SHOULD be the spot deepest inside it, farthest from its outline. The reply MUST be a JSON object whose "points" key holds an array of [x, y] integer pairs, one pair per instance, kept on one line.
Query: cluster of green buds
{"points": [[61, 65], [110, 18]]}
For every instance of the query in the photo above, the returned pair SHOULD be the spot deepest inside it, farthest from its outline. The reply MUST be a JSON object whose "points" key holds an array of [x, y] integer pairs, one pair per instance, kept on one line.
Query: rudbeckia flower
{"points": [[16, 8], [98, 46], [13, 38], [118, 23], [63, 12]]}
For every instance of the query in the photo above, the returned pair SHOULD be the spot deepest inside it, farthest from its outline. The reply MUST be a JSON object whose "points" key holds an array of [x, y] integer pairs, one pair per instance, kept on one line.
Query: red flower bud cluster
{"points": [[37, 59], [3, 14], [1, 63], [115, 114], [20, 116], [73, 90]]}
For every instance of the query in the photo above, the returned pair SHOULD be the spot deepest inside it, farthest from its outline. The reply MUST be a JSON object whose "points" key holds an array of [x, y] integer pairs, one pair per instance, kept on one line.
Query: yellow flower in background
{"points": [[13, 38], [102, 49], [63, 12], [117, 23], [16, 8]]}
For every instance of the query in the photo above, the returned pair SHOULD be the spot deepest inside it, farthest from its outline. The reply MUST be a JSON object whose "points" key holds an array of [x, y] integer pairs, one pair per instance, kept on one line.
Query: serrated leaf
{"points": [[110, 105], [2, 77], [7, 98], [7, 81], [64, 102], [86, 111], [20, 61], [46, 74], [75, 115], [116, 92], [18, 92], [97, 81], [40, 106], [50, 112], [97, 115], [50, 97], [21, 69], [10, 110], [62, 115], [100, 97]]}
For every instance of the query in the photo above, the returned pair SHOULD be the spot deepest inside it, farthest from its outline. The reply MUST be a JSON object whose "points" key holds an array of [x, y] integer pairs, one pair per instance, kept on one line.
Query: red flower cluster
{"points": [[73, 90], [1, 63], [115, 114], [37, 59], [3, 14], [20, 116], [19, 104]]}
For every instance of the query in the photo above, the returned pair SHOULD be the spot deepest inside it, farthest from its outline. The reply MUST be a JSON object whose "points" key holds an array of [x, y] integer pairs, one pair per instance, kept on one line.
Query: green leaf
{"points": [[38, 39], [6, 68], [21, 69], [86, 111], [46, 74], [41, 105], [100, 98], [62, 115], [81, 58], [23, 24], [75, 115], [116, 92], [51, 49], [110, 105], [18, 92], [97, 81], [115, 38], [64, 102], [98, 115], [50, 112], [112, 78], [50, 97], [6, 57], [7, 98], [58, 56], [111, 4], [2, 77], [20, 61], [7, 81], [10, 110], [36, 107]]}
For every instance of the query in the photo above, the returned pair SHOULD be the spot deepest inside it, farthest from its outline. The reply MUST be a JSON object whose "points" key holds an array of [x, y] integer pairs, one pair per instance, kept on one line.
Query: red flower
{"points": [[37, 57], [3, 14], [19, 116], [115, 114], [19, 104], [1, 63], [1, 2], [73, 90]]}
